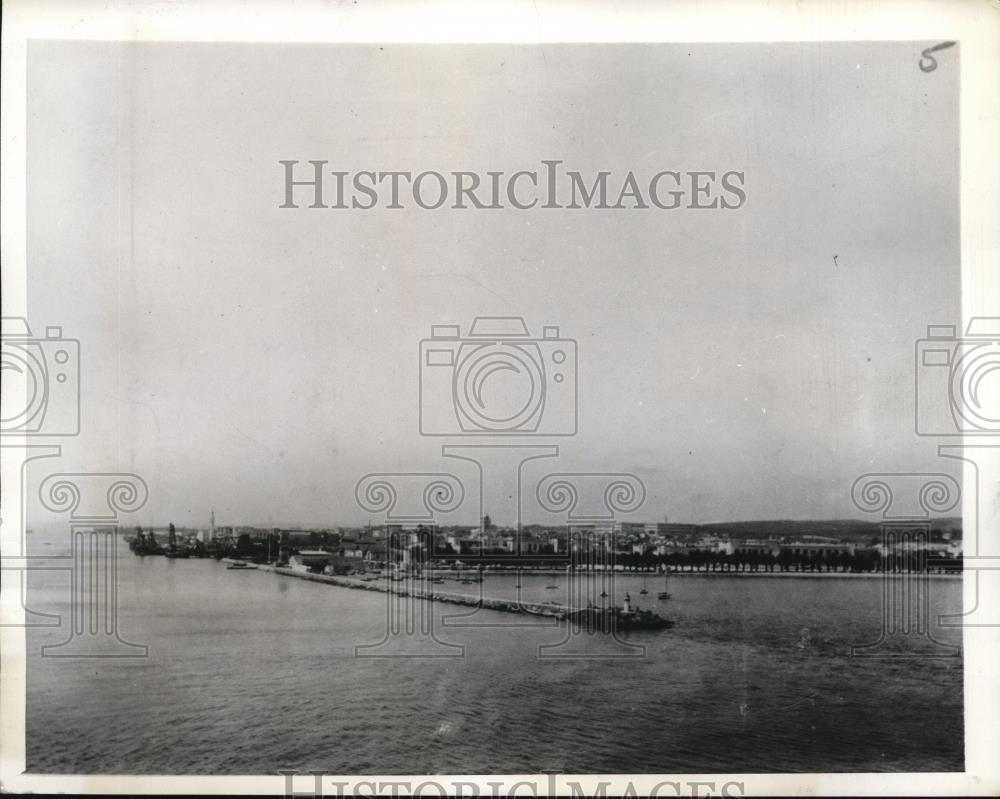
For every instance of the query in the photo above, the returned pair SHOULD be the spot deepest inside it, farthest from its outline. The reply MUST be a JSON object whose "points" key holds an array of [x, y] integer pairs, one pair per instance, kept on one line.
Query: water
{"points": [[250, 672]]}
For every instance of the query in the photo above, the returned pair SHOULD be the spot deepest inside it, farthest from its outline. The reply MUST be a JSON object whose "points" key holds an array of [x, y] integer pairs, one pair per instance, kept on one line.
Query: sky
{"points": [[258, 361]]}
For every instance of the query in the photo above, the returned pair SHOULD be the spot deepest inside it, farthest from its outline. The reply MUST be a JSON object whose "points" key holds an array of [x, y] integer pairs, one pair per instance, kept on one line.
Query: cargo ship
{"points": [[144, 543]]}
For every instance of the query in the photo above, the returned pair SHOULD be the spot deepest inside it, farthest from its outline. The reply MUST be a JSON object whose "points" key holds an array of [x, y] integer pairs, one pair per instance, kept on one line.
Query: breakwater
{"points": [[409, 587]]}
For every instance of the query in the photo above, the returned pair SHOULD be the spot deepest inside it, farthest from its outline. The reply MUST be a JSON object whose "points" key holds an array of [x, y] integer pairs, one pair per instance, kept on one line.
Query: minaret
{"points": [[211, 527]]}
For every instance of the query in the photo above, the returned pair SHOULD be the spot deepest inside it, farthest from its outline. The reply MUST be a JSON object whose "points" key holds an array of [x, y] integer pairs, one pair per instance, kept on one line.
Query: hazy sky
{"points": [[744, 364]]}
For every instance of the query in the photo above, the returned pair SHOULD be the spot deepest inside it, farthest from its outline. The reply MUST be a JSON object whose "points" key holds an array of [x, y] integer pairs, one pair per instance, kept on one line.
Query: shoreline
{"points": [[453, 573], [740, 574]]}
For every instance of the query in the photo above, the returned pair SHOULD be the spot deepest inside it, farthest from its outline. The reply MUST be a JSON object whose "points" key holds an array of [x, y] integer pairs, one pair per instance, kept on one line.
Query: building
{"points": [[376, 555], [817, 548], [714, 544], [770, 547], [310, 560], [350, 548]]}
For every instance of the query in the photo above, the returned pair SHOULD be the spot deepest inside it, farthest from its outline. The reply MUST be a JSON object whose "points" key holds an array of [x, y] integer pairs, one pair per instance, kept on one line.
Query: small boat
{"points": [[240, 565], [664, 595], [644, 591], [604, 593], [551, 587]]}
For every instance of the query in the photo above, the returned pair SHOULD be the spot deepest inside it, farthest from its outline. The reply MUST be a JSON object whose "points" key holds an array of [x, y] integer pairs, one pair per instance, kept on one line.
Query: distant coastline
{"points": [[528, 572]]}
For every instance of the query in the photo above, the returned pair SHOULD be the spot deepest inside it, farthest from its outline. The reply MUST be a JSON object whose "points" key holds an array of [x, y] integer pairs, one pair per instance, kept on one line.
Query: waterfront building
{"points": [[350, 548], [310, 560], [531, 546], [824, 548], [752, 546], [949, 549], [376, 555]]}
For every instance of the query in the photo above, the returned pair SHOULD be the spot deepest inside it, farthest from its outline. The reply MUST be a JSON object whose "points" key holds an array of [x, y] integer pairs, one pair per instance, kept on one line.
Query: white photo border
{"points": [[974, 24]]}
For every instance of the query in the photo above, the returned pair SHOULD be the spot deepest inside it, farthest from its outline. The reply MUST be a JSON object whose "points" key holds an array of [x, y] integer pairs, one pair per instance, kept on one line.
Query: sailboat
{"points": [[644, 591], [664, 594]]}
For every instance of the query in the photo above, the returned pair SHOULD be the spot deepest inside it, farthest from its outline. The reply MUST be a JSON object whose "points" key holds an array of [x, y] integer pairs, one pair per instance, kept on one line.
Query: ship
{"points": [[173, 549], [144, 544]]}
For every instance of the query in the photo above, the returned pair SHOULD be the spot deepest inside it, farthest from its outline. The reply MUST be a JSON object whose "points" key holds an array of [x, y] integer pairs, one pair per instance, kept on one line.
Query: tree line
{"points": [[789, 560]]}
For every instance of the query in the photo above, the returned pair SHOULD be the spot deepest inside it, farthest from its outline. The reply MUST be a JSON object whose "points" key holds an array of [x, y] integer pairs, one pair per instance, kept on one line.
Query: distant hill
{"points": [[840, 529]]}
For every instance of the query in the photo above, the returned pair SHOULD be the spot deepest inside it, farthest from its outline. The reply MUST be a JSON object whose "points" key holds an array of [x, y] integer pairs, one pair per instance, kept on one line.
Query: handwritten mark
{"points": [[928, 63], [835, 260]]}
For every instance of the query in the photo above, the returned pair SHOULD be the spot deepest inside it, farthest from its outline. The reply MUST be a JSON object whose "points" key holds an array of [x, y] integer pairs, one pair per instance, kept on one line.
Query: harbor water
{"points": [[249, 672]]}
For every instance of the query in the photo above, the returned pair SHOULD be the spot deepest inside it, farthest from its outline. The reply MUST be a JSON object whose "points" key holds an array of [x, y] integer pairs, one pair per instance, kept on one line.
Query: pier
{"points": [[406, 587]]}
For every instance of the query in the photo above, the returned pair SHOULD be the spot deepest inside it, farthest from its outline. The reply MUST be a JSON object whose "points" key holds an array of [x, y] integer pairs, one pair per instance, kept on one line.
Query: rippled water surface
{"points": [[251, 672]]}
